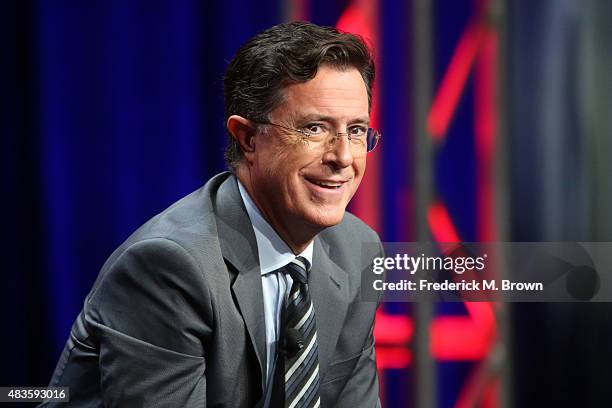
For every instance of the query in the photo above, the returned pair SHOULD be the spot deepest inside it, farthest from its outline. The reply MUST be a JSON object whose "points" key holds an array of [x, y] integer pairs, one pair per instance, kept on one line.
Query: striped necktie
{"points": [[302, 362]]}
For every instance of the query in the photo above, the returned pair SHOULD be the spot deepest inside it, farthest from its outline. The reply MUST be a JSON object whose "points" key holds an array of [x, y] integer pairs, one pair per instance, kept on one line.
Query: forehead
{"points": [[341, 94]]}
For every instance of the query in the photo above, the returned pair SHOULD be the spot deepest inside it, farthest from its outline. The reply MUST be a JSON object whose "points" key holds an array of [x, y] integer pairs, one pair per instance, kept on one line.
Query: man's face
{"points": [[287, 173]]}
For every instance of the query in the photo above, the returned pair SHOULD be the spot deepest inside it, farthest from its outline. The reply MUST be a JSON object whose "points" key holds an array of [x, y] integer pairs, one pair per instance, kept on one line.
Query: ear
{"points": [[243, 131]]}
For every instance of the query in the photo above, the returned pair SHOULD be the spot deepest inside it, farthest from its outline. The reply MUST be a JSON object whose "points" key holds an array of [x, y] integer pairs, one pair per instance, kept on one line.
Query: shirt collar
{"points": [[273, 251]]}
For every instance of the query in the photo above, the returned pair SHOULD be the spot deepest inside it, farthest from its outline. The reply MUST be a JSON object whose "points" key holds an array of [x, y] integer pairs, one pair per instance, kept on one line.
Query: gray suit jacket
{"points": [[175, 318]]}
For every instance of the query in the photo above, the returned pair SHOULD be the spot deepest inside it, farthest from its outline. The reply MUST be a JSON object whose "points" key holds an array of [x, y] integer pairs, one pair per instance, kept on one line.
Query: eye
{"points": [[315, 129], [357, 131]]}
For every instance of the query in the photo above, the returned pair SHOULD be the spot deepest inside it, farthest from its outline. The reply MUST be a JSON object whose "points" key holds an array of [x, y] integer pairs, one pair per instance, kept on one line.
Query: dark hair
{"points": [[283, 54]]}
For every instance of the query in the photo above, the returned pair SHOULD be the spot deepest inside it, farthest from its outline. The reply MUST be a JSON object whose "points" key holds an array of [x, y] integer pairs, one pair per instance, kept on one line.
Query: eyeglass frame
{"points": [[337, 136]]}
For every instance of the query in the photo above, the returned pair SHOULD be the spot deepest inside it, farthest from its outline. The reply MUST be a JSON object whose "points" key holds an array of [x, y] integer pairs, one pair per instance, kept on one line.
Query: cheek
{"points": [[282, 170]]}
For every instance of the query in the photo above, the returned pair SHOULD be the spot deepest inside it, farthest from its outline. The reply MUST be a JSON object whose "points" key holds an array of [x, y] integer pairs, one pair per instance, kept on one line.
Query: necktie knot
{"points": [[297, 269]]}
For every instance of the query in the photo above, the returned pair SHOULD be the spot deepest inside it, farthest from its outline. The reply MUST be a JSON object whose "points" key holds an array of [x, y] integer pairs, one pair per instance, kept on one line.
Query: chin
{"points": [[325, 218]]}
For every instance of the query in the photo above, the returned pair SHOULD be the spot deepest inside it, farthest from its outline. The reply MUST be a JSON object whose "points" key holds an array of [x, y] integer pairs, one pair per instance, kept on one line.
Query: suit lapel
{"points": [[239, 248], [329, 291]]}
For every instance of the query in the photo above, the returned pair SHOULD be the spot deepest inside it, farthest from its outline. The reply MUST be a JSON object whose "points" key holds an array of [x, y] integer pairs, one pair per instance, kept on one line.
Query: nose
{"points": [[339, 154]]}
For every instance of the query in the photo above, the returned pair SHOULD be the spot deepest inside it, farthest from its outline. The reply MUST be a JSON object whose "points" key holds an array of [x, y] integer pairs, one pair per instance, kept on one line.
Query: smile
{"points": [[328, 184]]}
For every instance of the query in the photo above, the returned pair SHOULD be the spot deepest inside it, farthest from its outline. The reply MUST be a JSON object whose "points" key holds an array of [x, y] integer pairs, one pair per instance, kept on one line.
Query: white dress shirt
{"points": [[273, 254]]}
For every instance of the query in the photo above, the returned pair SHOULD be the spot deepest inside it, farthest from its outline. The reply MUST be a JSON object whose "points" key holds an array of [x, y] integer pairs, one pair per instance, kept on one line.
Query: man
{"points": [[247, 292]]}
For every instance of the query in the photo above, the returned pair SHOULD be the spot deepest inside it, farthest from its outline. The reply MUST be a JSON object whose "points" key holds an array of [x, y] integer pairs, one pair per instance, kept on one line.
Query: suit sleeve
{"points": [[151, 313], [361, 390]]}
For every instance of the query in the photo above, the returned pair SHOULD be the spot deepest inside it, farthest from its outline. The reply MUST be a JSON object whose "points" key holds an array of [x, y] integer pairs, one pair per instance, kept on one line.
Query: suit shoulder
{"points": [[188, 221]]}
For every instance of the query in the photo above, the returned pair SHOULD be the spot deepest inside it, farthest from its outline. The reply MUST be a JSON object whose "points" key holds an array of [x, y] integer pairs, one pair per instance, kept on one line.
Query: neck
{"points": [[297, 237]]}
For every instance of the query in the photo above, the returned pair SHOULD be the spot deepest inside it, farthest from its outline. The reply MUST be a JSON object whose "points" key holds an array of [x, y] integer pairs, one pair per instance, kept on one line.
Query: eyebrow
{"points": [[323, 118]]}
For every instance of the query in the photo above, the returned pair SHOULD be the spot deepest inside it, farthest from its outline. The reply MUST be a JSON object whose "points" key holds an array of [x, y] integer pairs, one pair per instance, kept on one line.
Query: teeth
{"points": [[327, 184]]}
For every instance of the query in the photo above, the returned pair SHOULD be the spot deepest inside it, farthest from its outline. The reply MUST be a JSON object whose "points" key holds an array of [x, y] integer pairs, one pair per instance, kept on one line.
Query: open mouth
{"points": [[328, 184]]}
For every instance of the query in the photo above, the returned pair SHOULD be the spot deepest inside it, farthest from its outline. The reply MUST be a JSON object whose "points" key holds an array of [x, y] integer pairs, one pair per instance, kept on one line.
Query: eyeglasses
{"points": [[321, 138]]}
